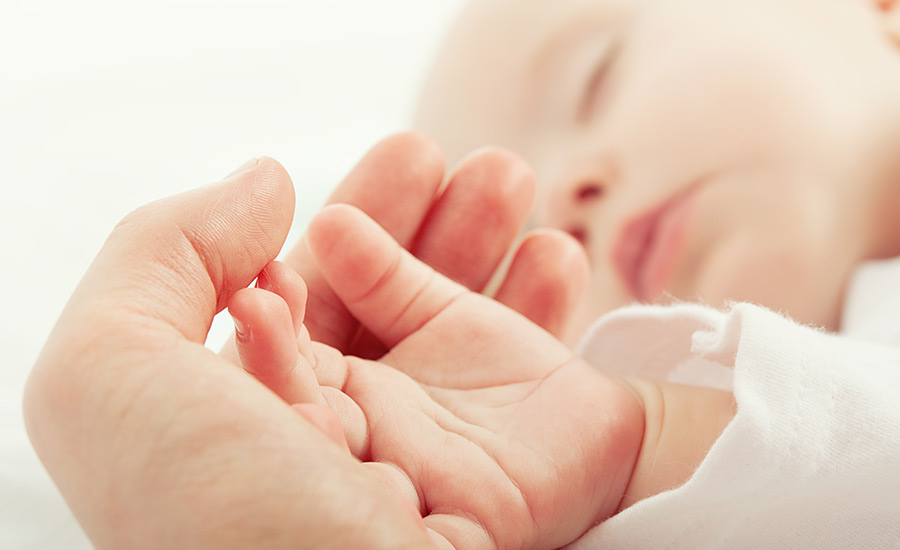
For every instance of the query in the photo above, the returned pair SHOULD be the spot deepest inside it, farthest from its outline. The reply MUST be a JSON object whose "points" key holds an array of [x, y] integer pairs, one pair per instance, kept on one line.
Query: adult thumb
{"points": [[177, 260]]}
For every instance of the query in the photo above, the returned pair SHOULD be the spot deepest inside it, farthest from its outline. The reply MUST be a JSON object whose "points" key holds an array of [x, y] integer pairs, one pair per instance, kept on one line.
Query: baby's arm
{"points": [[680, 425], [473, 395]]}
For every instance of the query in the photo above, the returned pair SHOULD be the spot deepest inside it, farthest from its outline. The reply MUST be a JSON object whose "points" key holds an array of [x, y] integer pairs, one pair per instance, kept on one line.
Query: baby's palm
{"points": [[484, 421], [508, 440]]}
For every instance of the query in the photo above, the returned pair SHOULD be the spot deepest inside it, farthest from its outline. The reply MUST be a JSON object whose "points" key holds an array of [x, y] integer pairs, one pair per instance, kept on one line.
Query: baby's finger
{"points": [[546, 279], [472, 225], [397, 482], [352, 419], [455, 531], [477, 218], [322, 417], [395, 184], [268, 348], [279, 278], [383, 285]]}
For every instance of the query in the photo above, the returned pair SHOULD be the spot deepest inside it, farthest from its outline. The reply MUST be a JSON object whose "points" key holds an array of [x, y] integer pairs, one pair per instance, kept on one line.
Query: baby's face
{"points": [[700, 149]]}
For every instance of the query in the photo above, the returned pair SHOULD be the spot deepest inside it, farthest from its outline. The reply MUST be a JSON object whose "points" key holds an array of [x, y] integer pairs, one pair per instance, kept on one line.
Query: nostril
{"points": [[579, 233], [588, 192]]}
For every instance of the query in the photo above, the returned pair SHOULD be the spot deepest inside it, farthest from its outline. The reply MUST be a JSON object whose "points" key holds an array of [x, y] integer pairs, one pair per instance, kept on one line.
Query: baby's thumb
{"points": [[178, 260]]}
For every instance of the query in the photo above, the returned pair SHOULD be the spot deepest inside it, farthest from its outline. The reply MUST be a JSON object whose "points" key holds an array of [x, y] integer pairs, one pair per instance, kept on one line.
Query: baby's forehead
{"points": [[490, 64], [495, 39], [520, 29]]}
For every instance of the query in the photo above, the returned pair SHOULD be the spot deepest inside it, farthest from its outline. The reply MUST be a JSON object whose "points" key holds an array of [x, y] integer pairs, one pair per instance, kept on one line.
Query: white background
{"points": [[106, 105]]}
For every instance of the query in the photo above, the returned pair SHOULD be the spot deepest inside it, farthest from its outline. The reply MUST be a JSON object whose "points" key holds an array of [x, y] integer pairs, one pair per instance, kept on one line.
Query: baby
{"points": [[699, 151]]}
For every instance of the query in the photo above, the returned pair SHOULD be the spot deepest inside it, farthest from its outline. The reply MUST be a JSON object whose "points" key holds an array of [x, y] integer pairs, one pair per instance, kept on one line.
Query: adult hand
{"points": [[156, 442], [462, 229]]}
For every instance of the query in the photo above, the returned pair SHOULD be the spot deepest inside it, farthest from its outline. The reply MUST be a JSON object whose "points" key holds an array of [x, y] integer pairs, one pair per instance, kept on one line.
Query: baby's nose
{"points": [[575, 197], [574, 193], [589, 191], [582, 195]]}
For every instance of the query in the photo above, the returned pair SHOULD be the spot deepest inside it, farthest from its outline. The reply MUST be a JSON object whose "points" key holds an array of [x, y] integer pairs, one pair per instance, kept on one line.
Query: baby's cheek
{"points": [[784, 275], [736, 269]]}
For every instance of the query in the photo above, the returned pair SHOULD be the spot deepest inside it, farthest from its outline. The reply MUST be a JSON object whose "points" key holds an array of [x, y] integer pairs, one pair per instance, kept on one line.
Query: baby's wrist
{"points": [[681, 423]]}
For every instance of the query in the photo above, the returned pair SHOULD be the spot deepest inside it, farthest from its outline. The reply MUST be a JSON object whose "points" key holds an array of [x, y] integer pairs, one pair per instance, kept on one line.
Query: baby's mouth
{"points": [[649, 244]]}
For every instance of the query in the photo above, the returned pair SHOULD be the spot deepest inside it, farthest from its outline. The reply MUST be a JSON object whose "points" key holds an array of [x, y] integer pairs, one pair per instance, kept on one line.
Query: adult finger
{"points": [[179, 259], [478, 217]]}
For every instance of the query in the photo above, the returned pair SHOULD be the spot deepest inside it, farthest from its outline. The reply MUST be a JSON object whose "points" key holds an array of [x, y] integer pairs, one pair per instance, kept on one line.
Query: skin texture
{"points": [[155, 441], [124, 378], [462, 229], [468, 395], [780, 117]]}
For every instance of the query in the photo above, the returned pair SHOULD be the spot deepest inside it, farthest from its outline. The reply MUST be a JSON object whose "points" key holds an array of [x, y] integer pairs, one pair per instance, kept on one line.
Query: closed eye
{"points": [[597, 78]]}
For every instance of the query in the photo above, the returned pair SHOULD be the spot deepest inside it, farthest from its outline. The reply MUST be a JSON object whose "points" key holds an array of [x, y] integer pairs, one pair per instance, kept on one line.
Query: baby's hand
{"points": [[274, 346], [484, 422]]}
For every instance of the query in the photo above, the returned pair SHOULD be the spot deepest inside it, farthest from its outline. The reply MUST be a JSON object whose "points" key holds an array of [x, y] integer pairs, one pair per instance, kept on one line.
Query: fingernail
{"points": [[262, 281], [246, 167], [240, 329]]}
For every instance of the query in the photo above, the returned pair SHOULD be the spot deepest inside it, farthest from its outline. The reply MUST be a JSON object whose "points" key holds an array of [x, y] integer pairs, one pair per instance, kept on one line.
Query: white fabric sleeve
{"points": [[812, 456], [872, 304]]}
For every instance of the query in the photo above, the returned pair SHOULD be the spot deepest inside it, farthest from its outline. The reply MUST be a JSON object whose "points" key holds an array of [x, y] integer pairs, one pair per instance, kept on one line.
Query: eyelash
{"points": [[596, 82]]}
